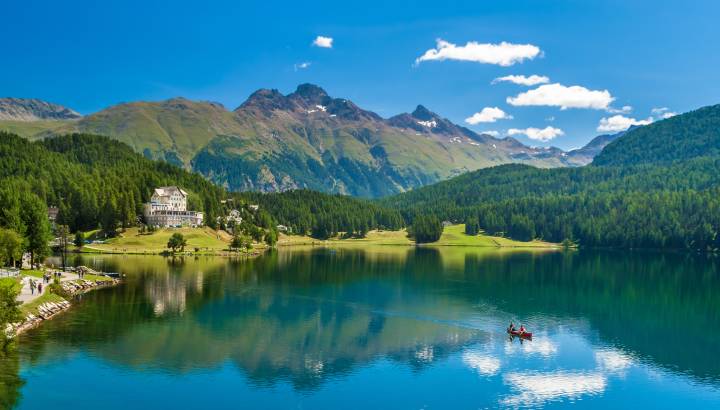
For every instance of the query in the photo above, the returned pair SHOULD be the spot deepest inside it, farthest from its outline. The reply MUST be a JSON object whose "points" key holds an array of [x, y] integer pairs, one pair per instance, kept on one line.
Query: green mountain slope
{"points": [[305, 139], [670, 199], [691, 135], [93, 180]]}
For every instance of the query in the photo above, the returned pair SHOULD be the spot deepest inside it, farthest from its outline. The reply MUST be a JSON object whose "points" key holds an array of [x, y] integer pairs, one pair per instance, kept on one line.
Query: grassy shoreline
{"points": [[206, 241]]}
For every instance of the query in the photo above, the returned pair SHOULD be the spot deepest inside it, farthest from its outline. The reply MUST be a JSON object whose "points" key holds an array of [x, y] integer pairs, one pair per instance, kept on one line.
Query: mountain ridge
{"points": [[33, 109], [307, 139]]}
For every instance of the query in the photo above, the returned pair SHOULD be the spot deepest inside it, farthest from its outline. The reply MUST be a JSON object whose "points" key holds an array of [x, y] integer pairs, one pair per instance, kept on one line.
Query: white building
{"points": [[168, 207]]}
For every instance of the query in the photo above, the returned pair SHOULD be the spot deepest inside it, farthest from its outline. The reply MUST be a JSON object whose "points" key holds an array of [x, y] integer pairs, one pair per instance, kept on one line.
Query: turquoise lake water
{"points": [[381, 328]]}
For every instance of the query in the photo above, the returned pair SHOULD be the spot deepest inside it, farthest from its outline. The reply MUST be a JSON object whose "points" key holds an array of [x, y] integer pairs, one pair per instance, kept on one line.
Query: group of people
{"points": [[511, 329], [34, 286]]}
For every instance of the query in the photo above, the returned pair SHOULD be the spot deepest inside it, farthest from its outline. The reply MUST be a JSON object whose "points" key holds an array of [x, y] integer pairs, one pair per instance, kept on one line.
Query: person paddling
{"points": [[511, 328], [522, 330]]}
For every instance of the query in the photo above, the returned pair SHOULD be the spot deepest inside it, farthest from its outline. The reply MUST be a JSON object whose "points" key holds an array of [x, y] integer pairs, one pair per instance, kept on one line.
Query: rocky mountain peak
{"points": [[423, 114], [311, 93], [32, 109], [266, 100]]}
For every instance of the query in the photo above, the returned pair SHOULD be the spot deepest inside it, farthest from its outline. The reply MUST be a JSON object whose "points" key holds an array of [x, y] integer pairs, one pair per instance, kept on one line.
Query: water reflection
{"points": [[531, 389], [310, 317]]}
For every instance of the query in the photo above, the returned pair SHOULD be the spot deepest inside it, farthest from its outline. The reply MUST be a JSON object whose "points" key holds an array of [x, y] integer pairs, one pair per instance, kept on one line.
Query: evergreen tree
{"points": [[425, 229]]}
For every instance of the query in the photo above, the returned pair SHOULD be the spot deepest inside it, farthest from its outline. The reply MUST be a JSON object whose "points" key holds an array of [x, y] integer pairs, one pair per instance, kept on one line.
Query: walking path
{"points": [[26, 296]]}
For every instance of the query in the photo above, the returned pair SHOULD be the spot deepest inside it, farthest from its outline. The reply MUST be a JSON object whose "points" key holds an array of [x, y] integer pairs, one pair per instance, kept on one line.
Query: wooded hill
{"points": [[657, 186], [100, 183]]}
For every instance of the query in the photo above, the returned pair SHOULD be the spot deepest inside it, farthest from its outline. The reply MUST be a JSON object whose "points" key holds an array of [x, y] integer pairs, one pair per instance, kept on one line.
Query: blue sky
{"points": [[645, 54]]}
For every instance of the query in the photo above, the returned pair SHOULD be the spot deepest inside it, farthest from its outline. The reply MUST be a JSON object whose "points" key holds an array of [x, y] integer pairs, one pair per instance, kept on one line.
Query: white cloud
{"points": [[322, 41], [558, 95], [618, 123], [492, 133], [488, 114], [503, 54], [522, 80], [626, 109], [302, 66], [544, 135], [663, 112]]}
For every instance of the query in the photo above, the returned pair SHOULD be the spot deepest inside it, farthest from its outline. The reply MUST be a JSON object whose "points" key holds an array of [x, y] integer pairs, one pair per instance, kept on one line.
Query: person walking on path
{"points": [[32, 287], [40, 288]]}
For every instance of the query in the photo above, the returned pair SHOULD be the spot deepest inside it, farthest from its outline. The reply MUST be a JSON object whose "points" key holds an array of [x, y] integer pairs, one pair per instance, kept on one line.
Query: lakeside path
{"points": [[26, 296]]}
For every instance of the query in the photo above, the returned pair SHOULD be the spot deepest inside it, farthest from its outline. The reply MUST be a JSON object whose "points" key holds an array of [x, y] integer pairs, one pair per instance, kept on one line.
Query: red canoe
{"points": [[526, 335]]}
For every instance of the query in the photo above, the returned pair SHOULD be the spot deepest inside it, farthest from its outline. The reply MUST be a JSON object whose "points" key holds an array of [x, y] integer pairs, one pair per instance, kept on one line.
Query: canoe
{"points": [[526, 335]]}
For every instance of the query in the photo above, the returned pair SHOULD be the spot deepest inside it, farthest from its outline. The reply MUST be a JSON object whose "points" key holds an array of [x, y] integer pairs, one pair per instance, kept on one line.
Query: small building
{"points": [[253, 208], [282, 228], [168, 208], [53, 212]]}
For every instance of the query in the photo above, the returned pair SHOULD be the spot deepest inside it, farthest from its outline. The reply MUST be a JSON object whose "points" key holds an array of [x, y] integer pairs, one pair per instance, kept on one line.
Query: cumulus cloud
{"points": [[663, 112], [544, 135], [302, 66], [503, 54], [323, 42], [558, 95], [491, 133], [522, 80], [618, 123], [488, 114], [626, 109]]}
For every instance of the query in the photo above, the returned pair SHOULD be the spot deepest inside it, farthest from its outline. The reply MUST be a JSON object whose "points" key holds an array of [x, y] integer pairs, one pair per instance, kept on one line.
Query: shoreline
{"points": [[48, 310]]}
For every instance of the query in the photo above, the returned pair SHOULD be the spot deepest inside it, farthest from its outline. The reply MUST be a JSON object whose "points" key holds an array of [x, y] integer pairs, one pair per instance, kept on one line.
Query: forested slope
{"points": [[655, 187]]}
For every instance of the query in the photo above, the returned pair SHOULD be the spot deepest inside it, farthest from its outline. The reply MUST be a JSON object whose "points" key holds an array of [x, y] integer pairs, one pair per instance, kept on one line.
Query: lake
{"points": [[407, 328]]}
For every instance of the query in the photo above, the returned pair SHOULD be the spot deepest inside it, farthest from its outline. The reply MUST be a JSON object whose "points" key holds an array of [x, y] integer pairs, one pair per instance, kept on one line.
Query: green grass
{"points": [[453, 235], [32, 129], [131, 241], [32, 306], [32, 272]]}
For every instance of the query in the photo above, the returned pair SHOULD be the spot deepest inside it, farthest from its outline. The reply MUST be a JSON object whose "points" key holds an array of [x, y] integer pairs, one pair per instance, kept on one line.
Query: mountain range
{"points": [[305, 139]]}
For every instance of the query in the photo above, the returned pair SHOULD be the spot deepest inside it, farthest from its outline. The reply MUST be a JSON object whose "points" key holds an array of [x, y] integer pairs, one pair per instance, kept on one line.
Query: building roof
{"points": [[169, 190]]}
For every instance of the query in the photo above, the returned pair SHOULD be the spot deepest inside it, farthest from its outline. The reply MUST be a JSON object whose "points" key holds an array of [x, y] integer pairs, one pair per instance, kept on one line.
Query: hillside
{"points": [[693, 134], [670, 199], [97, 182], [93, 180], [306, 139]]}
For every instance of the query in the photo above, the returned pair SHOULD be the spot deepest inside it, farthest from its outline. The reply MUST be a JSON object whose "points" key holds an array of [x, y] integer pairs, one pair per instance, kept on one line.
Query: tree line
{"points": [[674, 205], [324, 215]]}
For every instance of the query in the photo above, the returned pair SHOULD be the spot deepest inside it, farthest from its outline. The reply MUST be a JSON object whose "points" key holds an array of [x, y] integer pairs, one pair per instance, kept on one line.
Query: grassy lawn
{"points": [[32, 307], [32, 272], [453, 235], [372, 238], [131, 241]]}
